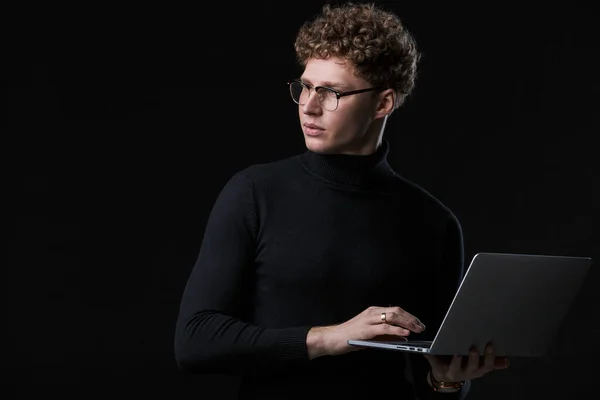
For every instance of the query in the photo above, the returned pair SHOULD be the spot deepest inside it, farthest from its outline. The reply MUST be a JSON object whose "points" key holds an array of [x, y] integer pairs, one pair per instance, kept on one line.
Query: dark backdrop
{"points": [[124, 124]]}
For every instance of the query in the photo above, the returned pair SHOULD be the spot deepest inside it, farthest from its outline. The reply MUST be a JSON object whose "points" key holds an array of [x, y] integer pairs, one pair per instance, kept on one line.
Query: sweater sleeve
{"points": [[451, 272], [211, 335]]}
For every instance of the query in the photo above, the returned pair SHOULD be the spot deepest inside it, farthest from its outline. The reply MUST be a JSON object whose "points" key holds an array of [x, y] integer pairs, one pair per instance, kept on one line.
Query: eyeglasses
{"points": [[328, 98]]}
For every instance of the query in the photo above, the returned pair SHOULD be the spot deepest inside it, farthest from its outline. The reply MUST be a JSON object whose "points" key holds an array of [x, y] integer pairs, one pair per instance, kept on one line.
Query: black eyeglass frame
{"points": [[337, 93]]}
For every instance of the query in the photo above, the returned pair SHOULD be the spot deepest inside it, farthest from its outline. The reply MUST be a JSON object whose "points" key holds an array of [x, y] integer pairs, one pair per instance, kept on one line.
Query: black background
{"points": [[124, 124]]}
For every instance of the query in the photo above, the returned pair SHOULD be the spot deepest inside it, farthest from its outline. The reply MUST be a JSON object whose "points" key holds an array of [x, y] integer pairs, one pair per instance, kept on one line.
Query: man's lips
{"points": [[313, 129], [314, 126]]}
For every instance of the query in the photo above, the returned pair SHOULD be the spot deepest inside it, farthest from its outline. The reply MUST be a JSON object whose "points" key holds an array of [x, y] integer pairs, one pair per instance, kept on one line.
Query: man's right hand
{"points": [[369, 324]]}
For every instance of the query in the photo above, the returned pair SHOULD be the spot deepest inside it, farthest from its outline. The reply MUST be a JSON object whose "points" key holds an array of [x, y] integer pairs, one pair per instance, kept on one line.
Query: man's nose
{"points": [[312, 105]]}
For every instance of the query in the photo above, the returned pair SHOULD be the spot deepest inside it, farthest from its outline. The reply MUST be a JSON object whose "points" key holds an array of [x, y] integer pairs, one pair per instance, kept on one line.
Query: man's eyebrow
{"points": [[326, 83]]}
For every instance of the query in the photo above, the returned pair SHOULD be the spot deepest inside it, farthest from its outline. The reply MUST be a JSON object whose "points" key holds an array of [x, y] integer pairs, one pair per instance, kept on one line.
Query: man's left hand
{"points": [[474, 366]]}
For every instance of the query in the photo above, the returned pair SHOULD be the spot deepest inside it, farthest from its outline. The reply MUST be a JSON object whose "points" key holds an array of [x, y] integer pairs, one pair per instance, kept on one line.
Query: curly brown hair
{"points": [[376, 42]]}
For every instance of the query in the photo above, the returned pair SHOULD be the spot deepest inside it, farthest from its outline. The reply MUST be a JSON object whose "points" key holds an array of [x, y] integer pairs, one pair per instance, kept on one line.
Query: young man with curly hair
{"points": [[303, 254]]}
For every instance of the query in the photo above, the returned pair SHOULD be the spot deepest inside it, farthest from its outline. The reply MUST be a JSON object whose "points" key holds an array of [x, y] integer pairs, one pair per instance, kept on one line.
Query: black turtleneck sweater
{"points": [[313, 240]]}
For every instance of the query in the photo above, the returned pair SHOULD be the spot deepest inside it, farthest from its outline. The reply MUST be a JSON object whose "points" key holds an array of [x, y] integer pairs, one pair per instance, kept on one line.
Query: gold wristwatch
{"points": [[441, 387]]}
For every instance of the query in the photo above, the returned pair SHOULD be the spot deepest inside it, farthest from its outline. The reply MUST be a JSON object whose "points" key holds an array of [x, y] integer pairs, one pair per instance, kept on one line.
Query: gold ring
{"points": [[383, 319]]}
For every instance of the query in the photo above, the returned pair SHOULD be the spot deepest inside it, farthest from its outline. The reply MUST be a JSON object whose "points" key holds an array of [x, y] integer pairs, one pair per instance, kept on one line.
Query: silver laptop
{"points": [[515, 301]]}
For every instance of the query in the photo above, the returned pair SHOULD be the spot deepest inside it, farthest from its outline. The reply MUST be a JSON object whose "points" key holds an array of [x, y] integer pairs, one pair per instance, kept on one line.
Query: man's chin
{"points": [[317, 144]]}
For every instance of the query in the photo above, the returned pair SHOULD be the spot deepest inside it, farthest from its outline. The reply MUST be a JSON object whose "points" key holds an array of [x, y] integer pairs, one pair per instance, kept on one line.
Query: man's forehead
{"points": [[325, 82], [329, 72]]}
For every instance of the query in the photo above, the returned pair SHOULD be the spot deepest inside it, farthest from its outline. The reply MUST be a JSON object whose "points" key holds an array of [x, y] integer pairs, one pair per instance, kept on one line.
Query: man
{"points": [[303, 254]]}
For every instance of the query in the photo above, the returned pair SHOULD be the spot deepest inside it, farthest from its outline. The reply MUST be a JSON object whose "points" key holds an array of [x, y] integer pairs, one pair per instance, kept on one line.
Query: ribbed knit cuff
{"points": [[291, 344]]}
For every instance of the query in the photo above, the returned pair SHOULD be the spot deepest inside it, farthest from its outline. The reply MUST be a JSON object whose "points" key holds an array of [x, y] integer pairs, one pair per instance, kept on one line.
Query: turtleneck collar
{"points": [[350, 170]]}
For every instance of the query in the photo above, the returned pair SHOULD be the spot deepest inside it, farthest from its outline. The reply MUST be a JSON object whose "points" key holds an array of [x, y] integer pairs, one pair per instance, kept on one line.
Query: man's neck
{"points": [[373, 139]]}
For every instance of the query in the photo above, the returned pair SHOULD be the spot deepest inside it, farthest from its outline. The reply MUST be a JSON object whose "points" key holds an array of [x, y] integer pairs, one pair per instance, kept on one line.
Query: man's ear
{"points": [[386, 103]]}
